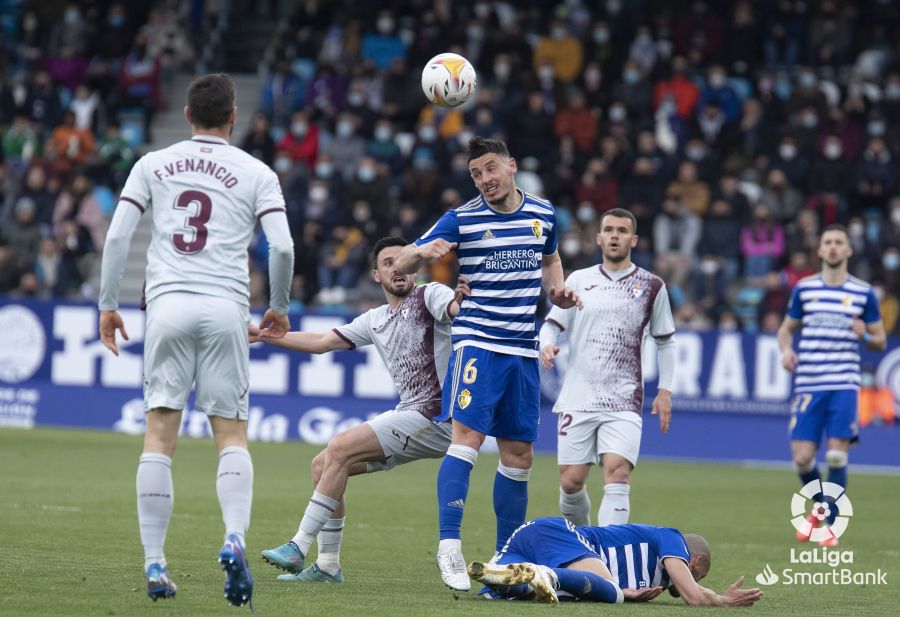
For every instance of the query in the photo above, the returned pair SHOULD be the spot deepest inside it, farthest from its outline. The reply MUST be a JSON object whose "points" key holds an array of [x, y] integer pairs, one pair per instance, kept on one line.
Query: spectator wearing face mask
{"points": [[890, 268], [370, 186], [720, 244], [689, 189], [301, 141], [789, 160], [717, 90], [561, 50], [383, 46], [636, 91], [679, 88], [383, 148], [783, 199], [889, 234], [345, 147], [762, 243], [830, 180], [875, 176]]}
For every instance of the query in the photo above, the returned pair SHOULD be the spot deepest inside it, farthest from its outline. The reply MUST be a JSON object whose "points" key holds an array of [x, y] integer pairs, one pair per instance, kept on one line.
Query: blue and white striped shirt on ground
{"points": [[828, 352], [501, 255]]}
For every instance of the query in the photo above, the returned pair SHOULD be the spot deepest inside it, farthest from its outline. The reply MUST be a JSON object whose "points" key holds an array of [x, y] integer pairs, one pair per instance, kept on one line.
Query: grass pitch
{"points": [[70, 545]]}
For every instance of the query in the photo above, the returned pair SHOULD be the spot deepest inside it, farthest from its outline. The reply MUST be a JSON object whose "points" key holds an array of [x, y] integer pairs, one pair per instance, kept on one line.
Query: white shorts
{"points": [[406, 435], [583, 437], [197, 339]]}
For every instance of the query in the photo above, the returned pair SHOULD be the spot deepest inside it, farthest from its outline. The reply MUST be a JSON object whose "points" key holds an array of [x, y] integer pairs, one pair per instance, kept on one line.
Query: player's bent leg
{"points": [[615, 506], [589, 579], [574, 502], [155, 497]]}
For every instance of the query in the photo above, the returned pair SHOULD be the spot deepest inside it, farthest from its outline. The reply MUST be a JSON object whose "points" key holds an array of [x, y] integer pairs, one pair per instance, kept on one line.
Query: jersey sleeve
{"points": [[446, 228], [795, 307], [269, 197], [438, 299], [670, 543], [662, 324], [358, 332], [552, 237], [137, 190], [871, 313]]}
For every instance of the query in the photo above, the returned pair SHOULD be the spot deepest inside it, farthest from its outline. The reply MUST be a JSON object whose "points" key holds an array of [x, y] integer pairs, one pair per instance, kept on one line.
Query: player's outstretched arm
{"points": [[308, 342], [412, 257], [554, 283], [786, 342], [695, 594]]}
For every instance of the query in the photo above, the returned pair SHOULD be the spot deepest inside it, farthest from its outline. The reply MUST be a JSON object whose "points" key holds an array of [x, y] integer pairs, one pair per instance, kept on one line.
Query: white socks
{"points": [[234, 486], [329, 541], [615, 507], [576, 506], [155, 497], [318, 513]]}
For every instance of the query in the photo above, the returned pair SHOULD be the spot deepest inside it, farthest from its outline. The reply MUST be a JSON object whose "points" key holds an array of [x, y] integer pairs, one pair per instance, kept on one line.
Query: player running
{"points": [[549, 558], [506, 241], [412, 336], [834, 313], [600, 403], [205, 198]]}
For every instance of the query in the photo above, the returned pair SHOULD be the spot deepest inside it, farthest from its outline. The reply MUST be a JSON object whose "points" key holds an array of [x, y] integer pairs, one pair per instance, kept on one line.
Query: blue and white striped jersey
{"points": [[634, 554], [828, 352], [501, 254]]}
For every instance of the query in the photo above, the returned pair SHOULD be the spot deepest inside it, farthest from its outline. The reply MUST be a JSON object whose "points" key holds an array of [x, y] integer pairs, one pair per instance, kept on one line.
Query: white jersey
{"points": [[205, 197], [605, 338], [413, 340]]}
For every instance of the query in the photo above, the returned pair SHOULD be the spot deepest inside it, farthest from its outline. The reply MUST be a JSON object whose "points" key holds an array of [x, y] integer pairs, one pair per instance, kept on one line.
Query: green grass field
{"points": [[70, 546]]}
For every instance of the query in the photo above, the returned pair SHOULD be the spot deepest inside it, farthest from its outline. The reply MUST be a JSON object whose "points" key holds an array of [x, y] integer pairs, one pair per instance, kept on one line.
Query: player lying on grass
{"points": [[604, 564], [412, 335]]}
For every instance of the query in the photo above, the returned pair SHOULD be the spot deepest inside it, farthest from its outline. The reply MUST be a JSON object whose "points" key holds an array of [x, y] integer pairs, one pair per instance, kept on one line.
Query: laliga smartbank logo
{"points": [[823, 523]]}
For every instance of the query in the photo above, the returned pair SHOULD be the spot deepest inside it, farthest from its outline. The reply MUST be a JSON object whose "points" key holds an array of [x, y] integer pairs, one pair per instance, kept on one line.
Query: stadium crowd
{"points": [[78, 92], [734, 131]]}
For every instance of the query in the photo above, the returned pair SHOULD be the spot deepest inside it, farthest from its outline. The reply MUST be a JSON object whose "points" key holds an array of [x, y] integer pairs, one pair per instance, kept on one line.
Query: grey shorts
{"points": [[196, 339], [406, 435]]}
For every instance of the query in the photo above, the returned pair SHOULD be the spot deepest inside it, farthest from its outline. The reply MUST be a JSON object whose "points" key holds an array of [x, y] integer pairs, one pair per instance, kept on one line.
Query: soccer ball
{"points": [[448, 80]]}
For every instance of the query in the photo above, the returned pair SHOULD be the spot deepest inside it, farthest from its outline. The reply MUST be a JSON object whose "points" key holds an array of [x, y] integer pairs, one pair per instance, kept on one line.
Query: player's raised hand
{"points": [[548, 353], [662, 407], [462, 289], [641, 595], [735, 596], [274, 325], [435, 249], [859, 327], [110, 321], [789, 360], [564, 298]]}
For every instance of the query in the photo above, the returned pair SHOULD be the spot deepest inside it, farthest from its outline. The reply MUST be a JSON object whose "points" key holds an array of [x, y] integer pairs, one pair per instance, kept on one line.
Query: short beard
{"points": [[617, 259], [836, 264], [402, 293]]}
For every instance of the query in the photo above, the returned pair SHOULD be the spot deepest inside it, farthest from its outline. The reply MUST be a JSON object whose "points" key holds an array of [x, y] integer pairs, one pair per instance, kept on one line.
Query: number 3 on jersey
{"points": [[190, 243]]}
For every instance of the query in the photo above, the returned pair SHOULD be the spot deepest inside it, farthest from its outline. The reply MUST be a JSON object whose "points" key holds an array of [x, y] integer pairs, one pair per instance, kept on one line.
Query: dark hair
{"points": [[382, 244], [210, 100], [479, 146], [836, 227], [622, 213]]}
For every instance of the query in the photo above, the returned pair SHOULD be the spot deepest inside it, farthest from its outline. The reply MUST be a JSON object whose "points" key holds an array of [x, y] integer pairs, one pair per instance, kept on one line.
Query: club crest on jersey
{"points": [[464, 398], [536, 228], [847, 301], [404, 313], [637, 291], [488, 235]]}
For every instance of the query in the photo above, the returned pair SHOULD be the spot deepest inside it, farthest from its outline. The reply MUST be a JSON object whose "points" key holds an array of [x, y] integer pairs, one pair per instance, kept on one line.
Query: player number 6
{"points": [[470, 373]]}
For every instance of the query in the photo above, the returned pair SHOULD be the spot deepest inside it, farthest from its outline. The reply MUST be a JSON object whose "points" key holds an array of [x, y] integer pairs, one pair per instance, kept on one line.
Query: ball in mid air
{"points": [[448, 80]]}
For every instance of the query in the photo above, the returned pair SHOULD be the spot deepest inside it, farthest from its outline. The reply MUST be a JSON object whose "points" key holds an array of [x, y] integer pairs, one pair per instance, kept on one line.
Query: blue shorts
{"points": [[551, 542], [493, 393], [830, 411]]}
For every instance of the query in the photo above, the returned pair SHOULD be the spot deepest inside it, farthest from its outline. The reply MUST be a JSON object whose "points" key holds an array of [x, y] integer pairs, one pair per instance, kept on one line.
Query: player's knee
{"points": [[804, 462], [318, 464], [520, 460], [836, 458], [571, 483], [340, 450], [618, 475]]}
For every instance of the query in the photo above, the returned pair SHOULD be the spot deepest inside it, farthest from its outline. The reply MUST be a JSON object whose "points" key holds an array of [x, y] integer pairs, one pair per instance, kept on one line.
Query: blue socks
{"points": [[453, 488], [510, 500], [588, 586]]}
